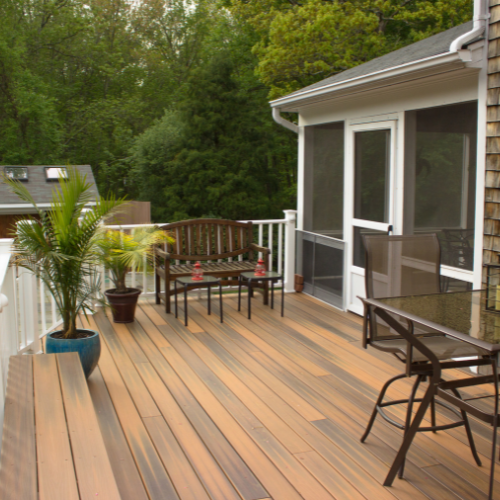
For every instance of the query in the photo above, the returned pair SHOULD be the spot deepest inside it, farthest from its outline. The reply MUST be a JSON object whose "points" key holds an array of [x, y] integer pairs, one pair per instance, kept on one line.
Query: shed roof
{"points": [[37, 185], [432, 46]]}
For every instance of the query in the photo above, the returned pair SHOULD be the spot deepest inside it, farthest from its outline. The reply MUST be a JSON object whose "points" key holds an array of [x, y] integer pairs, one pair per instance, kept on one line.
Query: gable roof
{"points": [[39, 188], [429, 47]]}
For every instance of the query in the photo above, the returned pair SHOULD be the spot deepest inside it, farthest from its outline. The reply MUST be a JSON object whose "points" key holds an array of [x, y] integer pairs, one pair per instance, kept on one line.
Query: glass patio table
{"points": [[461, 315]]}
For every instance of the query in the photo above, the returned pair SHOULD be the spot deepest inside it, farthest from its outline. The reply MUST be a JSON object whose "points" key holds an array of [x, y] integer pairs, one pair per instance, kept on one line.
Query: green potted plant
{"points": [[121, 252], [60, 248]]}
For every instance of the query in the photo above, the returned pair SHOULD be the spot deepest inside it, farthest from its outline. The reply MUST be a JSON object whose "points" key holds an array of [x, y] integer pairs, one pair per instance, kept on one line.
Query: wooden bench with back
{"points": [[219, 245]]}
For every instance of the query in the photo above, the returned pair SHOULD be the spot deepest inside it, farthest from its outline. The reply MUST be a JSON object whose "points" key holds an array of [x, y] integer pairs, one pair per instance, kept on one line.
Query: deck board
{"points": [[18, 471], [266, 409]]}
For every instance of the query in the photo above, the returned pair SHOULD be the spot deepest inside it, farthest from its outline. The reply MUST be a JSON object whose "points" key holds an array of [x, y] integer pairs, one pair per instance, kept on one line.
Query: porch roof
{"points": [[429, 48]]}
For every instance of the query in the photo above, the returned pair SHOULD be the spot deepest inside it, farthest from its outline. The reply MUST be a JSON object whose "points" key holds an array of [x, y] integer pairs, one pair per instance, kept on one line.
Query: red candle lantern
{"points": [[197, 274], [260, 268]]}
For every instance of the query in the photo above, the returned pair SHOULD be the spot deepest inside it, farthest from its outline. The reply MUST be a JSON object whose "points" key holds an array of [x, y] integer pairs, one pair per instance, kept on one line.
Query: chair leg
{"points": [[409, 414], [167, 297], [379, 400], [433, 414], [410, 434], [468, 430]]}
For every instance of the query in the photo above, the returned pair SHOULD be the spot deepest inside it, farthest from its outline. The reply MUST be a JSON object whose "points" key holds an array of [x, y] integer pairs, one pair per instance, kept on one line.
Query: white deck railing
{"points": [[28, 311]]}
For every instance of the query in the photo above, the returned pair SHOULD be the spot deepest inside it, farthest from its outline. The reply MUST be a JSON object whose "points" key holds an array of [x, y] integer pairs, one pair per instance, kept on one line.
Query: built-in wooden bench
{"points": [[52, 448]]}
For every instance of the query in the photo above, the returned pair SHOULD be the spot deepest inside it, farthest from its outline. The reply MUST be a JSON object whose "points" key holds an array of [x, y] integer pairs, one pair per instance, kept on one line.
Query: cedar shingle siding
{"points": [[492, 195]]}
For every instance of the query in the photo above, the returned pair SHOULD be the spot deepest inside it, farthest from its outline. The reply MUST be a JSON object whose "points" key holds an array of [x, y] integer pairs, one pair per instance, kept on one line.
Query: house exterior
{"points": [[407, 143], [39, 179]]}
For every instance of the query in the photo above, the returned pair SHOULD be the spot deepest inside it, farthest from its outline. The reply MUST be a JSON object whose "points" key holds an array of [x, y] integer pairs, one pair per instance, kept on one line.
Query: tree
{"points": [[218, 152], [303, 42]]}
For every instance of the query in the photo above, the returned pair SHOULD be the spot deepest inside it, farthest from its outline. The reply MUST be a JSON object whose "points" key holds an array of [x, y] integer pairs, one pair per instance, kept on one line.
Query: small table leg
{"points": [[220, 301], [249, 297], [209, 308], [239, 293], [185, 306], [272, 294], [282, 298], [175, 289]]}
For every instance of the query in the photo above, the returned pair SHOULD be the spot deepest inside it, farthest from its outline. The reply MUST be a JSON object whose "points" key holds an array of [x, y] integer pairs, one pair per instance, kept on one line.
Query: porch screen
{"points": [[324, 179], [440, 178]]}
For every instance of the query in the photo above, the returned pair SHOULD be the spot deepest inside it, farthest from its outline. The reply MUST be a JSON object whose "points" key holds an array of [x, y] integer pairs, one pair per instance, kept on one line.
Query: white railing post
{"points": [[289, 270], [28, 299]]}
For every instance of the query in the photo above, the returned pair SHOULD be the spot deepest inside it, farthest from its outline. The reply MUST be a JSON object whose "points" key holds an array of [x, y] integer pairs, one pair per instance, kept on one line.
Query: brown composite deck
{"points": [[268, 408]]}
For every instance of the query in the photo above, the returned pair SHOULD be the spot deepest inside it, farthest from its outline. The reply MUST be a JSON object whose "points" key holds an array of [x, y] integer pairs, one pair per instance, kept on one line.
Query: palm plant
{"points": [[120, 252], [60, 248]]}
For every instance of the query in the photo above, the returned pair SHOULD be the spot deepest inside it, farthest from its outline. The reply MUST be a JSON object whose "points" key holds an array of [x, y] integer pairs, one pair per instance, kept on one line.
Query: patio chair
{"points": [[401, 266]]}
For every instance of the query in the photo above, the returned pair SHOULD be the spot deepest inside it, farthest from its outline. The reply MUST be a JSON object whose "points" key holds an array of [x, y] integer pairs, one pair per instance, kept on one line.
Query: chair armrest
{"points": [[161, 253], [256, 248]]}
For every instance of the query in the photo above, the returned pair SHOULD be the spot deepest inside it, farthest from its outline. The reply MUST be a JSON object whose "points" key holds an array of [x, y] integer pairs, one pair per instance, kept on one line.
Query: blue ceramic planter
{"points": [[89, 349]]}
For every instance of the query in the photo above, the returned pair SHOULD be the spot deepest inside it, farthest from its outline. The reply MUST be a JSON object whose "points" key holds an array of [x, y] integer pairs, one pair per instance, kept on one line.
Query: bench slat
{"points": [[91, 462], [127, 476], [18, 461], [56, 475]]}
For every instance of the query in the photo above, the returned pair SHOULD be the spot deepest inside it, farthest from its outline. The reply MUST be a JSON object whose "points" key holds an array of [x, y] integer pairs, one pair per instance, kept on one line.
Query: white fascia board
{"points": [[27, 208], [461, 56]]}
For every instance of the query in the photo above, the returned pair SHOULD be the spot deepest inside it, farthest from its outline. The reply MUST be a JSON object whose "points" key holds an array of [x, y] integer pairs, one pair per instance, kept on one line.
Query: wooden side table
{"points": [[246, 279], [190, 284]]}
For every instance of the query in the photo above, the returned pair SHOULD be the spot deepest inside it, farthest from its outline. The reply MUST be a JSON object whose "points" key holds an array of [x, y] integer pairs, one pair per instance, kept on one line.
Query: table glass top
{"points": [[269, 274], [189, 280], [463, 312]]}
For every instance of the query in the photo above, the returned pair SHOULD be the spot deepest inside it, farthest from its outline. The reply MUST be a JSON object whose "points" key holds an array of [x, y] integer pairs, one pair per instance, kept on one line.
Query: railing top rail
{"points": [[265, 221], [132, 226]]}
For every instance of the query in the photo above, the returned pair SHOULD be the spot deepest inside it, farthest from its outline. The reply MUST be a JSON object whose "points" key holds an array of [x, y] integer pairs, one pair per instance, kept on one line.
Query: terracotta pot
{"points": [[123, 304]]}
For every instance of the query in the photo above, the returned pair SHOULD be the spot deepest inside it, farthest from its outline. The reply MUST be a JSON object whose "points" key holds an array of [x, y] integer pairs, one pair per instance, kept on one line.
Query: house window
{"points": [[17, 173], [53, 174], [324, 179], [440, 178]]}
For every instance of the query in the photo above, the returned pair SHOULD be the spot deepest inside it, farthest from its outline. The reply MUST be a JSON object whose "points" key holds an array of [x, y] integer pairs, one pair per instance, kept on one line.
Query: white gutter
{"points": [[481, 16], [422, 64], [285, 123]]}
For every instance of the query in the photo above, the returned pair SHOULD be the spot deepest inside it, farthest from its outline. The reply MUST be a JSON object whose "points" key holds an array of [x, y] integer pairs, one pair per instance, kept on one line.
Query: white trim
{"points": [[458, 274], [301, 178], [350, 222], [369, 224]]}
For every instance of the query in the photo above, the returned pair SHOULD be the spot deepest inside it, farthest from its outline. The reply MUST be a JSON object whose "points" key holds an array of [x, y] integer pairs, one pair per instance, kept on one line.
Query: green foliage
{"points": [[121, 252], [218, 152], [167, 99], [60, 248], [303, 42]]}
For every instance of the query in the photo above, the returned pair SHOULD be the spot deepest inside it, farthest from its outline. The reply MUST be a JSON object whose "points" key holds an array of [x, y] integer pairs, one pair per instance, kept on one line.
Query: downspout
{"points": [[481, 16], [285, 123]]}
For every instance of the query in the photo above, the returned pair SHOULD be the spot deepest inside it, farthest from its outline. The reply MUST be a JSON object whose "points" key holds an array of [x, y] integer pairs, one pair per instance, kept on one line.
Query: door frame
{"points": [[354, 274]]}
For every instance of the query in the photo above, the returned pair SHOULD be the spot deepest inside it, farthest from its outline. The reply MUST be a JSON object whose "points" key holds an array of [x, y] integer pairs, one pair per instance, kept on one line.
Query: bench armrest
{"points": [[256, 248], [161, 253]]}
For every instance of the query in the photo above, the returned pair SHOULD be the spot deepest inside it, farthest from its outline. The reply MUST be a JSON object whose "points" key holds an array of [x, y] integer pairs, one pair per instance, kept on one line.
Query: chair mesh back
{"points": [[398, 266]]}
